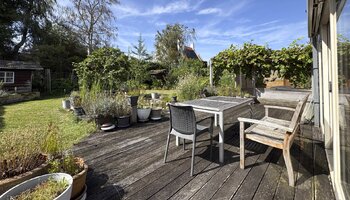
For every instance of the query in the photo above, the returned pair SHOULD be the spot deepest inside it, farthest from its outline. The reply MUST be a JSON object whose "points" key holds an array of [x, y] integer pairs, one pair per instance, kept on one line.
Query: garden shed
{"points": [[17, 75]]}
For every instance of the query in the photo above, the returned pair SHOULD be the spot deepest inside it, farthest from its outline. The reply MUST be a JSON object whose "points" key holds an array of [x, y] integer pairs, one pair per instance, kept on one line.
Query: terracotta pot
{"points": [[8, 183], [79, 180]]}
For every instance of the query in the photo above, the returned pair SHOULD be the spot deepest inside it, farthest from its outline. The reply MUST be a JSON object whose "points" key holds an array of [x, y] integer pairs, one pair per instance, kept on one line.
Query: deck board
{"points": [[128, 164]]}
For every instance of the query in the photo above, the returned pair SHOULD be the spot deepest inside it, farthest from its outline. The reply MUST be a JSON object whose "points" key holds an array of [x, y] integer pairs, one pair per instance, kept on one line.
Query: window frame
{"points": [[6, 76]]}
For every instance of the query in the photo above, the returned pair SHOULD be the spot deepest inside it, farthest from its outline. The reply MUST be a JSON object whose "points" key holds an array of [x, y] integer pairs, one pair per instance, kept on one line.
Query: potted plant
{"points": [[173, 98], [66, 104], [25, 153], [143, 109], [123, 111], [154, 95], [76, 103], [105, 109], [156, 110], [57, 186], [74, 166]]}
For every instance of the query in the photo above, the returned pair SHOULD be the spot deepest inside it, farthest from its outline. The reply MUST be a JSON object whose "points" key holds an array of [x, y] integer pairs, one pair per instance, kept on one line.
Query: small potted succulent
{"points": [[143, 109], [156, 110], [123, 111], [57, 186]]}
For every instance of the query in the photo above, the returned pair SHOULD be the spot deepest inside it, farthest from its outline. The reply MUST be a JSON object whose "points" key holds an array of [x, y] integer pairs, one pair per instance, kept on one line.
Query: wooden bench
{"points": [[273, 132]]}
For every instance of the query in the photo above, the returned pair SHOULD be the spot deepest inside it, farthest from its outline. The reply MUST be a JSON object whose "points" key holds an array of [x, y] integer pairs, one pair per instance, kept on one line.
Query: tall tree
{"points": [[170, 42], [92, 20], [21, 24], [140, 50]]}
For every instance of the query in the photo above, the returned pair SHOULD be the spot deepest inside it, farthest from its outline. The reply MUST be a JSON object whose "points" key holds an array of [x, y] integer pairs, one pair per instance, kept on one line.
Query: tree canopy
{"points": [[92, 21], [107, 66], [22, 24], [170, 42]]}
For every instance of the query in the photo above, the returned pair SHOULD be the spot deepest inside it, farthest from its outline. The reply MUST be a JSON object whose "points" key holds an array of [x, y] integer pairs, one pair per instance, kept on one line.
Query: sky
{"points": [[218, 24]]}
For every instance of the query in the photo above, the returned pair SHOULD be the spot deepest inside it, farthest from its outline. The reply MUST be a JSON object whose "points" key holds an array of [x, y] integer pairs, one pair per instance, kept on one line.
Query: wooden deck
{"points": [[128, 164]]}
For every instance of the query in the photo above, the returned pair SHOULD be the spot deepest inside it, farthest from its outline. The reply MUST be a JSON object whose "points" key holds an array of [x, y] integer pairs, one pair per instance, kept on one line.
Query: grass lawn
{"points": [[163, 92], [39, 114]]}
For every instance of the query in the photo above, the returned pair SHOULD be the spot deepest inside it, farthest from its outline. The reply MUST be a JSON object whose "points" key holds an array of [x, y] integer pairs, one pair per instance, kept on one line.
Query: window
{"points": [[7, 77]]}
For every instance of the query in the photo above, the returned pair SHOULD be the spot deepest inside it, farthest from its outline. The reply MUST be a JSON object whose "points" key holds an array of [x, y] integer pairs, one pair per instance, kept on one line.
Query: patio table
{"points": [[220, 106]]}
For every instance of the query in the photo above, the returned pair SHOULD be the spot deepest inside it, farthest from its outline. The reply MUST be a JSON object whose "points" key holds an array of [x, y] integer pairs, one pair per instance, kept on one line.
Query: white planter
{"points": [[154, 95], [143, 114], [31, 183], [66, 104]]}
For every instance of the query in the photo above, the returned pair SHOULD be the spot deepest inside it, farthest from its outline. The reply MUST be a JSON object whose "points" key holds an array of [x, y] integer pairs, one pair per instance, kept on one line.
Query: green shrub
{"points": [[227, 85], [62, 86], [191, 87], [108, 66]]}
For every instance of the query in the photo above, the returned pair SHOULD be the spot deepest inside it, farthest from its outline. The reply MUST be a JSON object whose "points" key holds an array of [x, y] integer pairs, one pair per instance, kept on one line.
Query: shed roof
{"points": [[189, 52], [7, 64]]}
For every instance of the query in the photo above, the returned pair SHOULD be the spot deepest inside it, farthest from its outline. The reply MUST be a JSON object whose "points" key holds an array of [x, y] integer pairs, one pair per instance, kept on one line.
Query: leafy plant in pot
{"points": [[74, 166], [156, 110], [143, 109], [57, 186], [76, 103], [25, 153], [106, 109], [123, 111]]}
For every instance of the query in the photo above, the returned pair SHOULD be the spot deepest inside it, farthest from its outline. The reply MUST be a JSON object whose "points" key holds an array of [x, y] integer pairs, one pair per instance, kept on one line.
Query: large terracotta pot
{"points": [[79, 180], [8, 183]]}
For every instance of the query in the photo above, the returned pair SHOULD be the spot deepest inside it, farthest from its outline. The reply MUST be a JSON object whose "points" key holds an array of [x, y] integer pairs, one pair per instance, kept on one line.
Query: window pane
{"points": [[9, 80], [2, 75], [344, 95]]}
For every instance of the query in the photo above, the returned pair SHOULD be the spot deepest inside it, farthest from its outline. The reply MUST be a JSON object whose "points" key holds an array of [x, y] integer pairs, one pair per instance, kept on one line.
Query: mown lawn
{"points": [[39, 114]]}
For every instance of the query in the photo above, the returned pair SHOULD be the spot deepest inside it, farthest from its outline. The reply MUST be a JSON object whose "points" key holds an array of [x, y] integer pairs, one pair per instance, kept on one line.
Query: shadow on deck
{"points": [[128, 164]]}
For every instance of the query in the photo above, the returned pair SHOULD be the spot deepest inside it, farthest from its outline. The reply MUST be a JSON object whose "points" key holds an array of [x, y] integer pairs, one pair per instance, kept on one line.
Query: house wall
{"points": [[23, 81], [328, 26]]}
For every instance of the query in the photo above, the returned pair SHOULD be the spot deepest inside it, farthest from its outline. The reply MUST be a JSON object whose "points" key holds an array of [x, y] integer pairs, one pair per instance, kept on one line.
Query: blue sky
{"points": [[218, 24]]}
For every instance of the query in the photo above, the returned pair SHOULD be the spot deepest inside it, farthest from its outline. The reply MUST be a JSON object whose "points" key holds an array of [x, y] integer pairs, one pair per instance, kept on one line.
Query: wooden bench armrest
{"points": [[280, 107], [265, 123]]}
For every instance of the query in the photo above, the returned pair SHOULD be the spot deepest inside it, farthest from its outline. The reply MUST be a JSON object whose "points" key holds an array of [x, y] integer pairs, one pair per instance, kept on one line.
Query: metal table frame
{"points": [[219, 114]]}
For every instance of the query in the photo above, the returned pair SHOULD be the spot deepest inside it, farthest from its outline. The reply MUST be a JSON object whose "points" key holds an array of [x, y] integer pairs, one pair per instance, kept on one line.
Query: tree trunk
{"points": [[20, 44]]}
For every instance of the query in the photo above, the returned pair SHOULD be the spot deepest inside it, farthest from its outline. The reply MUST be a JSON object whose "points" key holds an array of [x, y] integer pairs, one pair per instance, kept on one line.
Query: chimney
{"points": [[192, 45]]}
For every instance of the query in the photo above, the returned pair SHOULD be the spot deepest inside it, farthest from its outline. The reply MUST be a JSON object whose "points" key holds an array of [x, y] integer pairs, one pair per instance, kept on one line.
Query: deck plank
{"points": [[128, 164]]}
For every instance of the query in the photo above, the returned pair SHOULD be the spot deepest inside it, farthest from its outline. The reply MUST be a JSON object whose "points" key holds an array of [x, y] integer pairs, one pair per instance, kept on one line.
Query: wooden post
{"points": [[133, 114], [210, 74], [48, 80]]}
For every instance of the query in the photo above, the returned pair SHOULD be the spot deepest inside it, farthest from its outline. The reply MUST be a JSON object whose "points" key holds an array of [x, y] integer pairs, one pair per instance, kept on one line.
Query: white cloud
{"points": [[174, 7], [128, 10], [213, 41], [208, 11]]}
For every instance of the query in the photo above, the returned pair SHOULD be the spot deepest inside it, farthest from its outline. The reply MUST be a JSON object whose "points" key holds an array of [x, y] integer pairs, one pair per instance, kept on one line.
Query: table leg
{"points": [[221, 137], [215, 120]]}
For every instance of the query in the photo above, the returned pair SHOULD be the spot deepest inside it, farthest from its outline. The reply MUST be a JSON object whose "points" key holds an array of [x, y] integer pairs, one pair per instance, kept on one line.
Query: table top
{"points": [[217, 103]]}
